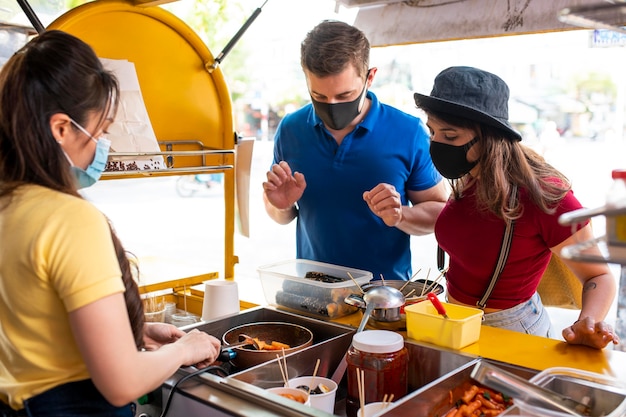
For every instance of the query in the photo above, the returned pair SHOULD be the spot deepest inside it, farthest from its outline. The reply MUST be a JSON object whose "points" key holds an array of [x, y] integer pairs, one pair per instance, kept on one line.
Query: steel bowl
{"points": [[294, 335], [413, 292]]}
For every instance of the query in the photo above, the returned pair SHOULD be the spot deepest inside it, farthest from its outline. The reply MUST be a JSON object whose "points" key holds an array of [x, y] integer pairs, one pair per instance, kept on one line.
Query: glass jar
{"points": [[384, 360]]}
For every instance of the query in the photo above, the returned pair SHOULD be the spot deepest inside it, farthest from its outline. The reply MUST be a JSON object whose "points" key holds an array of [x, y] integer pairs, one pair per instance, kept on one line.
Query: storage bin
{"points": [[606, 396], [315, 288], [460, 329]]}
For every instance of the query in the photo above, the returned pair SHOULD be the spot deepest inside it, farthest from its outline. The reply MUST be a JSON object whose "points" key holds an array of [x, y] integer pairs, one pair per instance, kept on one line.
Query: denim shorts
{"points": [[529, 317], [74, 399]]}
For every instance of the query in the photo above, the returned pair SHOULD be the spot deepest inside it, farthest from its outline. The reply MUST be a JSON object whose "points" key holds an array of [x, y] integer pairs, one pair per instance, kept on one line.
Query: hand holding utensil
{"points": [[438, 306]]}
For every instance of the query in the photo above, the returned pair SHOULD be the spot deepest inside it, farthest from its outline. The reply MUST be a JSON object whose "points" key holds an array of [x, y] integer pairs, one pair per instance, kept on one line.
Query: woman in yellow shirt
{"points": [[72, 337]]}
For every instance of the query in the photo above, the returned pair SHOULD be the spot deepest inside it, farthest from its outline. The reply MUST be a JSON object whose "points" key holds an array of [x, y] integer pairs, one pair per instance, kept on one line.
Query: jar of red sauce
{"points": [[384, 360]]}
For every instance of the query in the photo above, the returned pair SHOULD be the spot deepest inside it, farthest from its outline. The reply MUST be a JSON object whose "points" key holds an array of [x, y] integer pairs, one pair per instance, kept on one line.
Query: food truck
{"points": [[308, 307]]}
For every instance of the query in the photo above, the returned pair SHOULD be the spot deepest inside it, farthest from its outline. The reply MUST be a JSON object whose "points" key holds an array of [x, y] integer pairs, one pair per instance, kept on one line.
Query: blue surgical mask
{"points": [[88, 177]]}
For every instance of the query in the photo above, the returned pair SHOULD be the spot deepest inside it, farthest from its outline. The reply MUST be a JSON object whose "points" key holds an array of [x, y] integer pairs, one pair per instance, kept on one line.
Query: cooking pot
{"points": [[413, 292], [296, 336]]}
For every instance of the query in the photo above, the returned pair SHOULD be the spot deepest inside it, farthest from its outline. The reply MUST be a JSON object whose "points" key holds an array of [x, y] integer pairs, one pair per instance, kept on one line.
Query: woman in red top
{"points": [[495, 179]]}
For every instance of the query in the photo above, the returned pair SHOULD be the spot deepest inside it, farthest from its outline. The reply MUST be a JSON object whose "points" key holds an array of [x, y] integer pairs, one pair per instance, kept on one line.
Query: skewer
{"points": [[436, 281], [387, 401], [410, 280], [382, 278], [317, 365], [280, 366], [425, 281], [355, 283], [409, 293], [285, 364], [360, 375]]}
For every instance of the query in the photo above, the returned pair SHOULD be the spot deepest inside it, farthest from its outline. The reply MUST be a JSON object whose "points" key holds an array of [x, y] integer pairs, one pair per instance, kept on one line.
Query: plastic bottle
{"points": [[616, 198], [384, 360]]}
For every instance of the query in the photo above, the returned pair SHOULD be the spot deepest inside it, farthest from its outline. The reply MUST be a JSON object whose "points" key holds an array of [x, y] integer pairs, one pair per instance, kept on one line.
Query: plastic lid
{"points": [[378, 341], [619, 174]]}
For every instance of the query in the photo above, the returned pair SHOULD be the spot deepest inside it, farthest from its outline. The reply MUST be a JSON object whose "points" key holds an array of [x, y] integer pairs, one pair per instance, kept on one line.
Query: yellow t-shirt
{"points": [[56, 255]]}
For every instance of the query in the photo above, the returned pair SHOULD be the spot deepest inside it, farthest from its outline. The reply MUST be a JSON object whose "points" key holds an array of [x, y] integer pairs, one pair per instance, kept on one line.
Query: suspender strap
{"points": [[504, 254]]}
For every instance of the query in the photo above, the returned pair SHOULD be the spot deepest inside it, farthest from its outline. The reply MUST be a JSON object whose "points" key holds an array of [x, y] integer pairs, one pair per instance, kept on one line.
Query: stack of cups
{"points": [[221, 298]]}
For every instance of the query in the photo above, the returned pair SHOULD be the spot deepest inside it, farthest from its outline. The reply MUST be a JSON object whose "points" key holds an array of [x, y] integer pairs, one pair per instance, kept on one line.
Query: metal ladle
{"points": [[380, 297]]}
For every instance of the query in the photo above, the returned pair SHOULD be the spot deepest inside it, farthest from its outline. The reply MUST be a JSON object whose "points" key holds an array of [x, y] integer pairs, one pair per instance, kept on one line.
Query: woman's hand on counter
{"points": [[590, 333]]}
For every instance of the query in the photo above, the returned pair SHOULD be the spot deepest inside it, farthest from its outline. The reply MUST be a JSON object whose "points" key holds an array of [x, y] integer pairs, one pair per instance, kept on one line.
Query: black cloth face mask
{"points": [[451, 161], [339, 115]]}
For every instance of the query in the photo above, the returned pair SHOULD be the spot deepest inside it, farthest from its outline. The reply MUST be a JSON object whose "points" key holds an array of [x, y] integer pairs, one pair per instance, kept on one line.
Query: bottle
{"points": [[384, 360], [616, 198]]}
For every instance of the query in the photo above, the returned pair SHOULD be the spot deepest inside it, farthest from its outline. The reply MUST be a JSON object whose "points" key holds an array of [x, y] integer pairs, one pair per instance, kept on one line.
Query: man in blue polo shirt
{"points": [[356, 173]]}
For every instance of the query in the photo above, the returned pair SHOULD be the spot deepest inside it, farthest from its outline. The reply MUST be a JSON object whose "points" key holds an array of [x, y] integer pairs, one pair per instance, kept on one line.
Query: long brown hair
{"points": [[505, 164], [55, 73]]}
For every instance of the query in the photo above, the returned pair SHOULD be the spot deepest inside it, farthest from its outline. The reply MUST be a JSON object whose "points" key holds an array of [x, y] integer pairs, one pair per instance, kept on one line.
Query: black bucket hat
{"points": [[472, 94]]}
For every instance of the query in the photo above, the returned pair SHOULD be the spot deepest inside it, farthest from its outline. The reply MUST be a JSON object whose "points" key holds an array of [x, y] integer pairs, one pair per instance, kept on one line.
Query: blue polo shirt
{"points": [[334, 223]]}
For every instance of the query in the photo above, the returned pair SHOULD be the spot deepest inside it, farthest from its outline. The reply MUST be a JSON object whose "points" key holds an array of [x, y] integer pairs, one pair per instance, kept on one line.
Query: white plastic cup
{"points": [[325, 401], [286, 392], [221, 298], [373, 409]]}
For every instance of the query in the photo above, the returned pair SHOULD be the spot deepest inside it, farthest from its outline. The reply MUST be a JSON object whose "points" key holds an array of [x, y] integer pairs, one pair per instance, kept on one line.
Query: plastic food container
{"points": [[605, 395], [461, 329], [316, 288]]}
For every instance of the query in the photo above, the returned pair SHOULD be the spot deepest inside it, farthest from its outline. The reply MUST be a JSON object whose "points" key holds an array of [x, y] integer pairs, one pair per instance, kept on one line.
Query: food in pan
{"points": [[479, 401], [263, 345]]}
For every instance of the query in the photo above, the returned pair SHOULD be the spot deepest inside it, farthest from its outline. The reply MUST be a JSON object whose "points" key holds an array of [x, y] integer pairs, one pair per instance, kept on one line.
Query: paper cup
{"points": [[293, 394], [325, 401], [221, 298], [373, 409]]}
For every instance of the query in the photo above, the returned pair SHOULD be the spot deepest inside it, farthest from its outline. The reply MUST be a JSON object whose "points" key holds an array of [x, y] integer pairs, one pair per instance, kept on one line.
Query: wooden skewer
{"points": [[355, 282], [411, 280], [285, 364], [384, 400], [409, 293], [425, 281], [317, 365], [382, 278], [360, 376], [436, 281], [280, 366]]}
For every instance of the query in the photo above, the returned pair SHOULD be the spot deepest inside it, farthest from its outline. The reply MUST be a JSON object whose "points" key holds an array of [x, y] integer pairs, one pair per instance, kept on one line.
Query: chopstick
{"points": [[317, 365], [356, 283]]}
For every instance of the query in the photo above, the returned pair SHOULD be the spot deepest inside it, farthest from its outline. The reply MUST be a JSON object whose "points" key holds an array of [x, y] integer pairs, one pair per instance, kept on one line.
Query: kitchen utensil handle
{"points": [[519, 388], [438, 306]]}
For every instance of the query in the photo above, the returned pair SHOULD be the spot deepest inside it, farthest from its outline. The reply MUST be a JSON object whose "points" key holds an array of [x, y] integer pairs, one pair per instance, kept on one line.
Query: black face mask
{"points": [[451, 161], [339, 115]]}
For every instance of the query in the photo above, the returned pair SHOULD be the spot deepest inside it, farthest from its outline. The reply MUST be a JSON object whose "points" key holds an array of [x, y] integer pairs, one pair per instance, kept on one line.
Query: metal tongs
{"points": [[519, 388]]}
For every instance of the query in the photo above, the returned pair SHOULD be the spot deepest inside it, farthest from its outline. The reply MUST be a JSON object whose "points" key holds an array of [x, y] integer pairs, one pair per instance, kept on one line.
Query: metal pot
{"points": [[381, 303], [296, 336], [411, 292]]}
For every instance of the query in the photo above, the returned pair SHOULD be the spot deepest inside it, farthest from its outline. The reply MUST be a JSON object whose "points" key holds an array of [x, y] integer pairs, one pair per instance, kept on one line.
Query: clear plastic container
{"points": [[315, 288], [616, 198]]}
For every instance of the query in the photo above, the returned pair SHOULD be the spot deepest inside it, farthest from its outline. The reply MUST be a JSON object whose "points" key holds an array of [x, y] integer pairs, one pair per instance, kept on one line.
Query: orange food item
{"points": [[479, 401], [273, 345], [299, 399]]}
